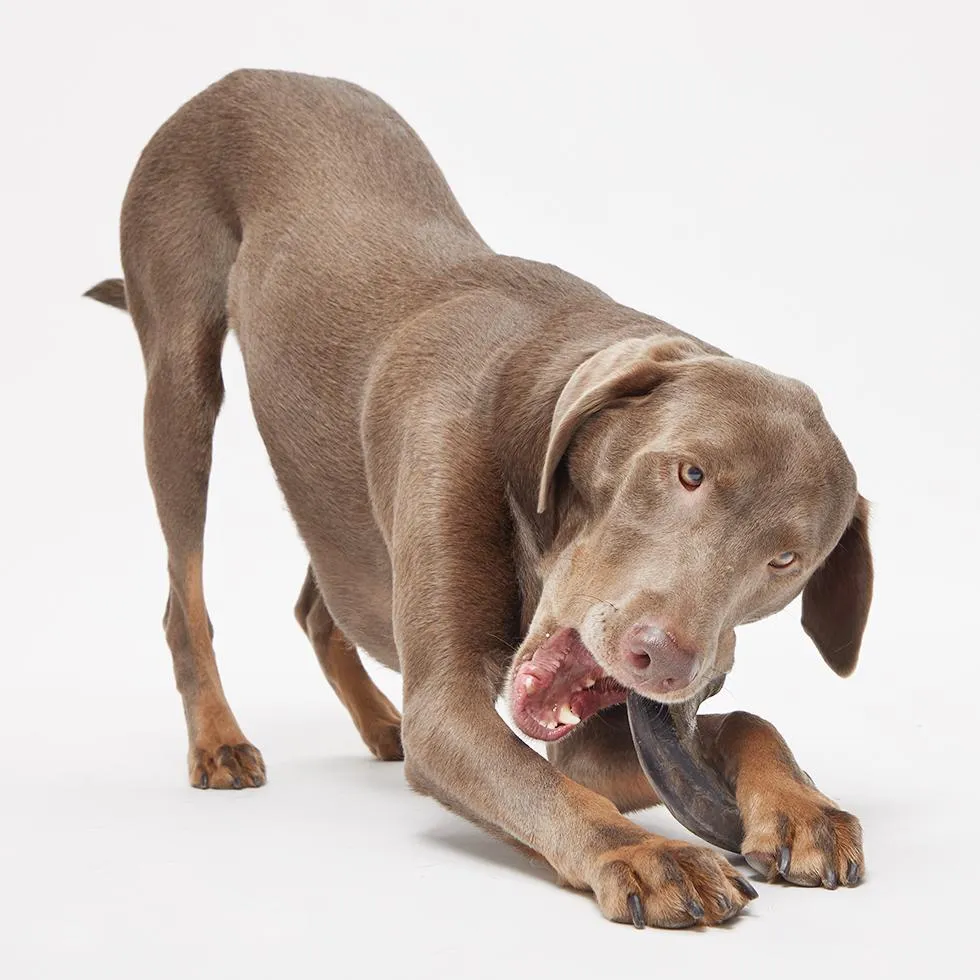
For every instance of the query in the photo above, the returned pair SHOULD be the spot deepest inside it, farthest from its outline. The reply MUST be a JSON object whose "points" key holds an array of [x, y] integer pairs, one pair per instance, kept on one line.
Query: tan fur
{"points": [[219, 755], [375, 717], [780, 806], [476, 449]]}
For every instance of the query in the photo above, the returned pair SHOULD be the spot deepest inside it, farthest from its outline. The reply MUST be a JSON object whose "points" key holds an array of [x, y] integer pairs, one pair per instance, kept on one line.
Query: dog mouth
{"points": [[559, 686]]}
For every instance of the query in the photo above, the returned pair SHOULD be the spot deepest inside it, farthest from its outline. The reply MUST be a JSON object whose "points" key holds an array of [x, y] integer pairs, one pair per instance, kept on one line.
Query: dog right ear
{"points": [[837, 599], [627, 369]]}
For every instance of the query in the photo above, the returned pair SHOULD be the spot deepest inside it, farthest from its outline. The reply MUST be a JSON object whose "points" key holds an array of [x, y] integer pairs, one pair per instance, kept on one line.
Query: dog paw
{"points": [[384, 739], [226, 767], [669, 884], [800, 835]]}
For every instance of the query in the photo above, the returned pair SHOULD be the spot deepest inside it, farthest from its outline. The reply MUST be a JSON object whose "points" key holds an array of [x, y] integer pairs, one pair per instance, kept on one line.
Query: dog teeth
{"points": [[568, 717], [529, 685], [551, 724], [590, 682]]}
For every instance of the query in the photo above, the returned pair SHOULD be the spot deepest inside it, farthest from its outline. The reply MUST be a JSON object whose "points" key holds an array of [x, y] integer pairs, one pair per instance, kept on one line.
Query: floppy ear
{"points": [[837, 598], [626, 369]]}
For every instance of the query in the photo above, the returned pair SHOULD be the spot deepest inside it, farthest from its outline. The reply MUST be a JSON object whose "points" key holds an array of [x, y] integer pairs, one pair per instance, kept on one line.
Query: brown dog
{"points": [[483, 455]]}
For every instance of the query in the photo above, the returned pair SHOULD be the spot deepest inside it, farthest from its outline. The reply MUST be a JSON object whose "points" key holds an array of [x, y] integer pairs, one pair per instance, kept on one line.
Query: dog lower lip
{"points": [[559, 686]]}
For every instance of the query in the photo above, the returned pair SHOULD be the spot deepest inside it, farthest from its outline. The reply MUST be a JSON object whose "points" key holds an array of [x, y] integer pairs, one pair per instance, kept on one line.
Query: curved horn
{"points": [[666, 742]]}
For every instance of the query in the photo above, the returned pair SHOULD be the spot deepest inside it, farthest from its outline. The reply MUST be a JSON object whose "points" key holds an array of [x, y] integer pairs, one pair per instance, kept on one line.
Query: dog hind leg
{"points": [[177, 262], [375, 716]]}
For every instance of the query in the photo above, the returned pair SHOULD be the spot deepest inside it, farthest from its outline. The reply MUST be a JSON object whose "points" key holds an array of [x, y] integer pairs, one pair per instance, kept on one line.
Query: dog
{"points": [[506, 482]]}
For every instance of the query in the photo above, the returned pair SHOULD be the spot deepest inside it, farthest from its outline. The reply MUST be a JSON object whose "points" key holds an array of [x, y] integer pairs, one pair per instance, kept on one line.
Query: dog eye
{"points": [[691, 476], [784, 560]]}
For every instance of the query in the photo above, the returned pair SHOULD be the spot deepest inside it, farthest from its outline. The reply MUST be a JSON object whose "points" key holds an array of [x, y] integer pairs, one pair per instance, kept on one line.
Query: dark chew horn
{"points": [[666, 742]]}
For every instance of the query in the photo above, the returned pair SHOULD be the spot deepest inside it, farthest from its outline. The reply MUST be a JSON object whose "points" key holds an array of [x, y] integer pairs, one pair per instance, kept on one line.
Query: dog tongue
{"points": [[667, 744]]}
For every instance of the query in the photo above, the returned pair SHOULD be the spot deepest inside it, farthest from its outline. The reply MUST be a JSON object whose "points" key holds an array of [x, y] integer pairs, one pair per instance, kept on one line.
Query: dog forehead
{"points": [[739, 391], [743, 409], [751, 430]]}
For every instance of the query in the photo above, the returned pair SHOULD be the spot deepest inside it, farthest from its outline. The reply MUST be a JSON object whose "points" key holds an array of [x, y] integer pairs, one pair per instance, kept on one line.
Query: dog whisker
{"points": [[595, 598], [510, 646]]}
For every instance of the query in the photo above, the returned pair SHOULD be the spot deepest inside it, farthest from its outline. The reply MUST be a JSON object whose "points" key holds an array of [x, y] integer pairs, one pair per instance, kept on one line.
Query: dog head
{"points": [[692, 493]]}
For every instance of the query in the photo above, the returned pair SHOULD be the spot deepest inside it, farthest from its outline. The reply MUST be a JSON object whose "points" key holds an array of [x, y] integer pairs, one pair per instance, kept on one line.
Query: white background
{"points": [[796, 183]]}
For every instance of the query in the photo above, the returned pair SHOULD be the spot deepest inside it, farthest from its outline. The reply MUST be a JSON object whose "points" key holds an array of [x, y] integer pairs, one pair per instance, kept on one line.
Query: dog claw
{"points": [[745, 888], [695, 908], [830, 879], [852, 873], [204, 781], [784, 856], [636, 910], [236, 783], [760, 863]]}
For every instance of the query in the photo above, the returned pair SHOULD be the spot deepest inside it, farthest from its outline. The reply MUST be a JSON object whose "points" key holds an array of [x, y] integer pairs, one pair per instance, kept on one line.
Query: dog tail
{"points": [[112, 292]]}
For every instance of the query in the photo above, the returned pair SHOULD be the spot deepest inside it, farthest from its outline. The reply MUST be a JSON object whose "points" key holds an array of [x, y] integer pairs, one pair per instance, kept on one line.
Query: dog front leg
{"points": [[792, 830], [453, 610], [458, 750]]}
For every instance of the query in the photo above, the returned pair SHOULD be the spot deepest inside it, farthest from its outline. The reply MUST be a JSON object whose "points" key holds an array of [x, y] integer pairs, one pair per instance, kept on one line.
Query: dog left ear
{"points": [[626, 369], [837, 598]]}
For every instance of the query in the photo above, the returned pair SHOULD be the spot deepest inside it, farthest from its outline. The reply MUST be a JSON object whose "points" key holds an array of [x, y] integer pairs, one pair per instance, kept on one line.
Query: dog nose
{"points": [[657, 660]]}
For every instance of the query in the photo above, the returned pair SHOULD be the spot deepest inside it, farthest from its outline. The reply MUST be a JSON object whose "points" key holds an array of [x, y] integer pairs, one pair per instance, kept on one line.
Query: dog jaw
{"points": [[557, 684]]}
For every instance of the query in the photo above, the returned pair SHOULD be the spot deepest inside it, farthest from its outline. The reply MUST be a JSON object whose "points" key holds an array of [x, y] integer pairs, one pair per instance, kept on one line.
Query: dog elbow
{"points": [[419, 744]]}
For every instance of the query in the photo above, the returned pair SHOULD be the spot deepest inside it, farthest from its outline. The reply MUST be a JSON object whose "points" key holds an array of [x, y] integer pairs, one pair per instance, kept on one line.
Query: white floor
{"points": [[336, 868], [115, 862]]}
